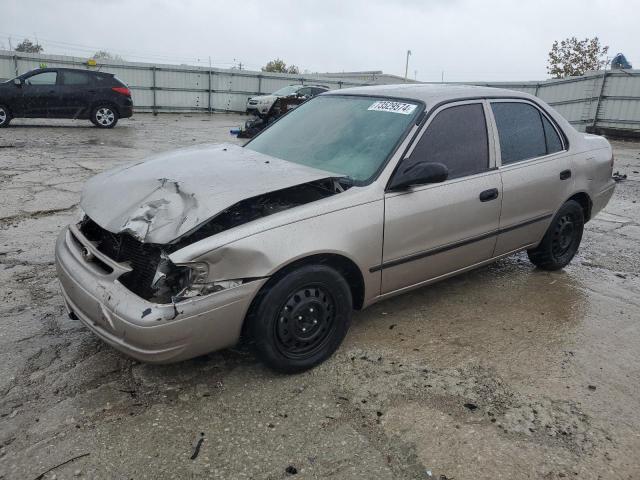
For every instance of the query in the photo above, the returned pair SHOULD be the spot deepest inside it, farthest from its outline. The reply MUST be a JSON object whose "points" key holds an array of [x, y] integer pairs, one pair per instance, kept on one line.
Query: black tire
{"points": [[562, 239], [5, 116], [300, 319], [104, 116]]}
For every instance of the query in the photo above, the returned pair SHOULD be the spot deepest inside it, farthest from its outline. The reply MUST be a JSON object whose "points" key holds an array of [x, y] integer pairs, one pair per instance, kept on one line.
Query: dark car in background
{"points": [[66, 93]]}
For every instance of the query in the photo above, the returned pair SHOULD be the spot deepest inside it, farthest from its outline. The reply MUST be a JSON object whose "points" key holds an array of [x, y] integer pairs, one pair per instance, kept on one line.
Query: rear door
{"points": [[535, 170], [76, 92], [436, 229], [40, 94]]}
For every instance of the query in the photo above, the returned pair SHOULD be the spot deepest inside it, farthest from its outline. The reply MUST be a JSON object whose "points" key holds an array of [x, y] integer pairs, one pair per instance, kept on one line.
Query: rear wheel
{"points": [[5, 116], [562, 239], [300, 320], [104, 116]]}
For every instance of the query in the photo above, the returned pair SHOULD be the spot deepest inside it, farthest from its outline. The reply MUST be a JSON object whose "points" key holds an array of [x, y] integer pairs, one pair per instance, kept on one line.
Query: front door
{"points": [[40, 95], [436, 229]]}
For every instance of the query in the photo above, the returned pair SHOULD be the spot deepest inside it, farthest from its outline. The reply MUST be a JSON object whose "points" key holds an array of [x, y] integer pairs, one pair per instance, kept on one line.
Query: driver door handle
{"points": [[488, 195]]}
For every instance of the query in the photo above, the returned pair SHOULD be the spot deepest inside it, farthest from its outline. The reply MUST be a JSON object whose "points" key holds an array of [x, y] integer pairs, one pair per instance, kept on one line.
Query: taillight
{"points": [[122, 91]]}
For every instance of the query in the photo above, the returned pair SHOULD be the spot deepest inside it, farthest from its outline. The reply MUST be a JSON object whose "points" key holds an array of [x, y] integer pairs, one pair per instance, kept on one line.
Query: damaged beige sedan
{"points": [[354, 196]]}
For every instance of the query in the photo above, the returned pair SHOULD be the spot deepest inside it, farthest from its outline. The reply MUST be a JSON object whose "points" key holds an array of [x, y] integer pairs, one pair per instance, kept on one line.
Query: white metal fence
{"points": [[173, 88], [599, 101]]}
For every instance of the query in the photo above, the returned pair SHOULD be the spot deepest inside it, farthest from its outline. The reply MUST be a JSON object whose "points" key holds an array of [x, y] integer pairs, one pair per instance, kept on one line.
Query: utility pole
{"points": [[442, 78], [406, 67], [415, 75]]}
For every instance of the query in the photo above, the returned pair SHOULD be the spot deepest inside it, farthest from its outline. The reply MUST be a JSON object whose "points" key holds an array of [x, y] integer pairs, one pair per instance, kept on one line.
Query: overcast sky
{"points": [[468, 40]]}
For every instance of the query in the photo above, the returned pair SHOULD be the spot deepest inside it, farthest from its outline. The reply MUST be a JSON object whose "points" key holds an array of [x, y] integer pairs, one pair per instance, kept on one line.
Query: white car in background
{"points": [[262, 105]]}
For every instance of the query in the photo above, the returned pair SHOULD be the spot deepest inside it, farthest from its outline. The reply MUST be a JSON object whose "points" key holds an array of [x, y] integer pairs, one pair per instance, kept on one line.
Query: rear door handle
{"points": [[565, 174], [488, 195]]}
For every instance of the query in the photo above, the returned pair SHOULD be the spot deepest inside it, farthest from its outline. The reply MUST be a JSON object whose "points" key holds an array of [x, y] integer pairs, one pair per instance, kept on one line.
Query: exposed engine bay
{"points": [[155, 278]]}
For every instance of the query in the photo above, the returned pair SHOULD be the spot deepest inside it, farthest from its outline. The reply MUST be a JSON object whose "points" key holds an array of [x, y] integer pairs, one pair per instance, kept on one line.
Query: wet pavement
{"points": [[506, 372]]}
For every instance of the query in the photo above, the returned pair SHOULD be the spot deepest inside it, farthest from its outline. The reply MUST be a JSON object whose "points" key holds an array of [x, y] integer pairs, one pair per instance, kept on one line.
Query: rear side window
{"points": [[75, 78], [44, 78], [457, 137], [524, 132]]}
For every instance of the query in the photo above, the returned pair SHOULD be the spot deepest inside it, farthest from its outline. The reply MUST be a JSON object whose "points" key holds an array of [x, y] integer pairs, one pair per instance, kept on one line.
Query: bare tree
{"points": [[105, 55], [279, 66], [27, 46], [572, 57]]}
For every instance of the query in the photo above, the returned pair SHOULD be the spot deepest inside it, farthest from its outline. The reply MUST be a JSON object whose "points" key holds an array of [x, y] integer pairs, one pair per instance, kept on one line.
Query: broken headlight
{"points": [[199, 285]]}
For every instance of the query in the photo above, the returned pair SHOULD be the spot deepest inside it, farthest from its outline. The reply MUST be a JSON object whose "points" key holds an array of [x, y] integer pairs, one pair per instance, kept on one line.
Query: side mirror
{"points": [[419, 173], [17, 82]]}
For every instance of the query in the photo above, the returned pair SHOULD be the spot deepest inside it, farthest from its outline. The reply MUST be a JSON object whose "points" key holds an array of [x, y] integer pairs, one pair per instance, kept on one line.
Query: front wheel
{"points": [[301, 319], [104, 116], [562, 239], [5, 116]]}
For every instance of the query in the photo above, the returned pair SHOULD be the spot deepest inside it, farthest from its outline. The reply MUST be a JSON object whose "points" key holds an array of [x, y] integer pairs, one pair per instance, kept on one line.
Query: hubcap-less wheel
{"points": [[3, 115], [105, 116], [562, 239], [563, 235], [305, 322]]}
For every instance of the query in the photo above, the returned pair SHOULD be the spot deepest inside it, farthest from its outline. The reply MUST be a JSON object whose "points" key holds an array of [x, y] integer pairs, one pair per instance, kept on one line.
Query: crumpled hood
{"points": [[170, 194]]}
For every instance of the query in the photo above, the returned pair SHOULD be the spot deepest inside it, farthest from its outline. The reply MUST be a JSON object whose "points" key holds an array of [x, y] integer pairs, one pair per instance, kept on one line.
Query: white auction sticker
{"points": [[394, 107]]}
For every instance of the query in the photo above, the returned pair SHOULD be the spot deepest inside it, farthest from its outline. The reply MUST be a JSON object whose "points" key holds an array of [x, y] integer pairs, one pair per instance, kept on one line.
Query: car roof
{"points": [[431, 94], [66, 69]]}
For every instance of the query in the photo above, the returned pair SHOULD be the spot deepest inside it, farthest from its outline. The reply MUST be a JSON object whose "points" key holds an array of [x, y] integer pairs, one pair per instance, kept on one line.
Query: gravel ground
{"points": [[505, 372]]}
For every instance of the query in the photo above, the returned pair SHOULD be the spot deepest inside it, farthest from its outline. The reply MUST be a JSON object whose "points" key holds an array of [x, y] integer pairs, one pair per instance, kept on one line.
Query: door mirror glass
{"points": [[17, 82], [419, 173]]}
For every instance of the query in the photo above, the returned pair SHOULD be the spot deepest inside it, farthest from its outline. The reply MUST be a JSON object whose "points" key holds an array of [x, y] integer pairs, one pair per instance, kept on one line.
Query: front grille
{"points": [[143, 258]]}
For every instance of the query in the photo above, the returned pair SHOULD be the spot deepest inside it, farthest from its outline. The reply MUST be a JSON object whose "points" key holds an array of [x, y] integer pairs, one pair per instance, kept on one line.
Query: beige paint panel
{"points": [[436, 216], [531, 189]]}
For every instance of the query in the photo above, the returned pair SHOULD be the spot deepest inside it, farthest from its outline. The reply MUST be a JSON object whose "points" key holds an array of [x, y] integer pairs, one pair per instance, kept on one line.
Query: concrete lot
{"points": [[506, 372]]}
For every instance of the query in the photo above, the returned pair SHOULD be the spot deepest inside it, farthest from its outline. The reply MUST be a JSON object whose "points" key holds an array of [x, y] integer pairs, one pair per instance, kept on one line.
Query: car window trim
{"points": [[426, 122], [541, 112]]}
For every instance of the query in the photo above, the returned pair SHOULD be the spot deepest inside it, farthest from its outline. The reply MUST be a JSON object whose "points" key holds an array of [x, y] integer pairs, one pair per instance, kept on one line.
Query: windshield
{"points": [[347, 135], [285, 91]]}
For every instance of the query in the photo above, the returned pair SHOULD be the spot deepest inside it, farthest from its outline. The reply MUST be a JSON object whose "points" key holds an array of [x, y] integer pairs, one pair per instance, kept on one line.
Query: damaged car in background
{"points": [[353, 197]]}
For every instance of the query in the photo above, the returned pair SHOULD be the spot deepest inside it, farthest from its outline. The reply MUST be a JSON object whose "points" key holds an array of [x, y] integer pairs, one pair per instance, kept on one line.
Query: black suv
{"points": [[65, 93]]}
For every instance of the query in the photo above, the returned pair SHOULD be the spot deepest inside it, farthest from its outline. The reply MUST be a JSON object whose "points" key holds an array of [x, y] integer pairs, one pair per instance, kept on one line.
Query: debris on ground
{"points": [[619, 177], [198, 444]]}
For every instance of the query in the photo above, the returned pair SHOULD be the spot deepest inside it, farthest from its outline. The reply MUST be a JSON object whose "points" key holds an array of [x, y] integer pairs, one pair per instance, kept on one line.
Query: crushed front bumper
{"points": [[150, 332]]}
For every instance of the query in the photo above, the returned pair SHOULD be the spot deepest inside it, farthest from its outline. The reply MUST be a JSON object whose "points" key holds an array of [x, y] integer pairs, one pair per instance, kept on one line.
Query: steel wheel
{"points": [[105, 116], [563, 235], [305, 322], [300, 317], [562, 239]]}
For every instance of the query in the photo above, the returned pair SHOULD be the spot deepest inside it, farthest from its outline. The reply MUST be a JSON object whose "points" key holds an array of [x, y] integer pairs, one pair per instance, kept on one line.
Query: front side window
{"points": [[44, 78], [347, 135], [75, 78], [457, 137], [524, 132]]}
